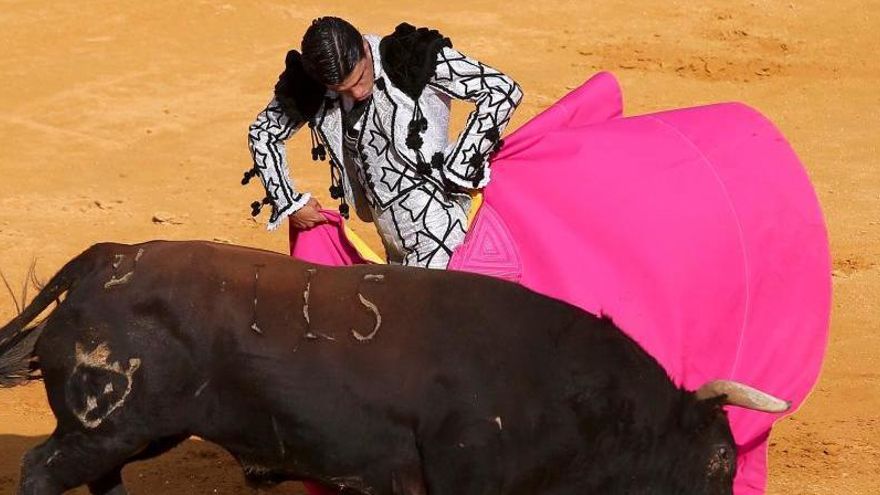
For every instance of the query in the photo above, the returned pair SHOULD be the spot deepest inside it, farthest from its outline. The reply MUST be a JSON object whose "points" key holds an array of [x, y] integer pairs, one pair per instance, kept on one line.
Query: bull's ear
{"points": [[737, 394]]}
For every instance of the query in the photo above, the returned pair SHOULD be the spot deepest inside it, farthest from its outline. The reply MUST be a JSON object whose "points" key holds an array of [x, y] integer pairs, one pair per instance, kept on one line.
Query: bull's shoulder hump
{"points": [[457, 282], [213, 249]]}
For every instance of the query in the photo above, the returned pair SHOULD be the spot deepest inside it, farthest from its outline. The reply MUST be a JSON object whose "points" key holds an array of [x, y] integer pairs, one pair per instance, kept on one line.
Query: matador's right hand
{"points": [[308, 216]]}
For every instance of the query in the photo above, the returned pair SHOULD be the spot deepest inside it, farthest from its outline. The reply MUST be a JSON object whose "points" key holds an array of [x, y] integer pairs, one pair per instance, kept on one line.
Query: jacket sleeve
{"points": [[495, 95], [266, 138]]}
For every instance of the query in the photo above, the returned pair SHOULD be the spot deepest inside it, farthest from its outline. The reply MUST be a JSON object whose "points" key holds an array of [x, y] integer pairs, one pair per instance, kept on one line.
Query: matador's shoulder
{"points": [[298, 93], [409, 57]]}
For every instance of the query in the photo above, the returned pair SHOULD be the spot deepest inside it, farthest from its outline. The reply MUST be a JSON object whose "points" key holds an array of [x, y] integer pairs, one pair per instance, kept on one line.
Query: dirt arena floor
{"points": [[126, 121]]}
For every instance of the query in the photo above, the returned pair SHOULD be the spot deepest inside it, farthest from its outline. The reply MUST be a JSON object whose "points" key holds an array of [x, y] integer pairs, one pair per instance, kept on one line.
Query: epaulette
{"points": [[298, 93], [409, 57]]}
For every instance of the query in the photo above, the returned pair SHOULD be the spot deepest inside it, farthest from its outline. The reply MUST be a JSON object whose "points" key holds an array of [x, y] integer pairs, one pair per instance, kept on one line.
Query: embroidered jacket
{"points": [[407, 176]]}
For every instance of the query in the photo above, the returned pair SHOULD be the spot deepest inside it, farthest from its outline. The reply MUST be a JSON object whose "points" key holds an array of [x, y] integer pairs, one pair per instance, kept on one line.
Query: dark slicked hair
{"points": [[331, 48]]}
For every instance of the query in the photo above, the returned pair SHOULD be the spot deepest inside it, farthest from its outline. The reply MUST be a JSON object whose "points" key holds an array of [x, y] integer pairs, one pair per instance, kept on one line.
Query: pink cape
{"points": [[696, 230]]}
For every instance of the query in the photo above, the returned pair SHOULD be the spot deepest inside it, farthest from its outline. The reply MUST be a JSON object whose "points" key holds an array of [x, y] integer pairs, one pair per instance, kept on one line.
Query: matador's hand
{"points": [[308, 216]]}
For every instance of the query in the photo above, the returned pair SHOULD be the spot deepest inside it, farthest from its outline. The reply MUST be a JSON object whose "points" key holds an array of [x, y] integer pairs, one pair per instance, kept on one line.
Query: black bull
{"points": [[372, 379]]}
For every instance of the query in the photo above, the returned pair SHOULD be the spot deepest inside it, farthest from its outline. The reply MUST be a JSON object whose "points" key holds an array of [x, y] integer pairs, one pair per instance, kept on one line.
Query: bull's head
{"points": [[714, 449], [689, 451]]}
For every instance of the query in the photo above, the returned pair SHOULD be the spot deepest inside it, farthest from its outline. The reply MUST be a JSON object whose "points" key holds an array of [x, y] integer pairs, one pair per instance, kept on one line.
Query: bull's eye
{"points": [[721, 461]]}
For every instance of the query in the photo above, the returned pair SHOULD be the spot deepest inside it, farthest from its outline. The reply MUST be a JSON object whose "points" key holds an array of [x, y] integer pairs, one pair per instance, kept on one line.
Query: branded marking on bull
{"points": [[117, 280], [281, 449], [254, 326], [373, 309], [374, 277], [114, 281], [306, 292], [202, 388], [311, 335], [99, 359]]}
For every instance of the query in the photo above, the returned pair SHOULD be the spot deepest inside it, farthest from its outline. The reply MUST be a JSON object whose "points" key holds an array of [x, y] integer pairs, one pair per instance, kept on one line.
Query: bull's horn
{"points": [[743, 396]]}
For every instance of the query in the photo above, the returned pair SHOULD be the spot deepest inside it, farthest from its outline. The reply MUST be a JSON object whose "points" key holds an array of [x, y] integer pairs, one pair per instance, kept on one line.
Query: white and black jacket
{"points": [[403, 142]]}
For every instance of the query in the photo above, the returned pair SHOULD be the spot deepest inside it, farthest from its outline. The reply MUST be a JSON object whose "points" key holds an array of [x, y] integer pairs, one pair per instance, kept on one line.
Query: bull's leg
{"points": [[35, 477], [74, 459]]}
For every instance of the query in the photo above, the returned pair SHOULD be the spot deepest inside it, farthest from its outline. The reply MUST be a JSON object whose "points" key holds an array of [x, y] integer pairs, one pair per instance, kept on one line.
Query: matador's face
{"points": [[358, 85]]}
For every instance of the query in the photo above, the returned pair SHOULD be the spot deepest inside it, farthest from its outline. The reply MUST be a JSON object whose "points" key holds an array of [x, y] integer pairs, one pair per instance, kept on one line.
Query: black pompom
{"points": [[343, 210], [437, 160], [423, 167], [255, 208], [477, 161], [414, 141], [478, 177], [319, 152], [492, 134], [336, 192], [248, 175], [380, 83]]}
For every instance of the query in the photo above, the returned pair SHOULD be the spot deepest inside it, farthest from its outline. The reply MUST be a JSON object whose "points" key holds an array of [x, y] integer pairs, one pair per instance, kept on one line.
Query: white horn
{"points": [[742, 396]]}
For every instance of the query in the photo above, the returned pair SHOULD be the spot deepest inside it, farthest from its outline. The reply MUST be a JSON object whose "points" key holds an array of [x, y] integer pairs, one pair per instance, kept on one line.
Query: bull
{"points": [[369, 379]]}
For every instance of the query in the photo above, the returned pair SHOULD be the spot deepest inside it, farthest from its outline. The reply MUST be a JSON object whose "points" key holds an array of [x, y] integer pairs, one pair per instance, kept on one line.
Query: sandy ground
{"points": [[113, 113]]}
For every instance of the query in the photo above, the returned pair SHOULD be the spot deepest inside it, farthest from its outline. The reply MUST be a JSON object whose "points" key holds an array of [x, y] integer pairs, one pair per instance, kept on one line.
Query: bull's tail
{"points": [[17, 339]]}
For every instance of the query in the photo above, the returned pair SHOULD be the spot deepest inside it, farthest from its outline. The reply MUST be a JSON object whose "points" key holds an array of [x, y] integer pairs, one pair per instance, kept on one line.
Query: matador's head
{"points": [[335, 53]]}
